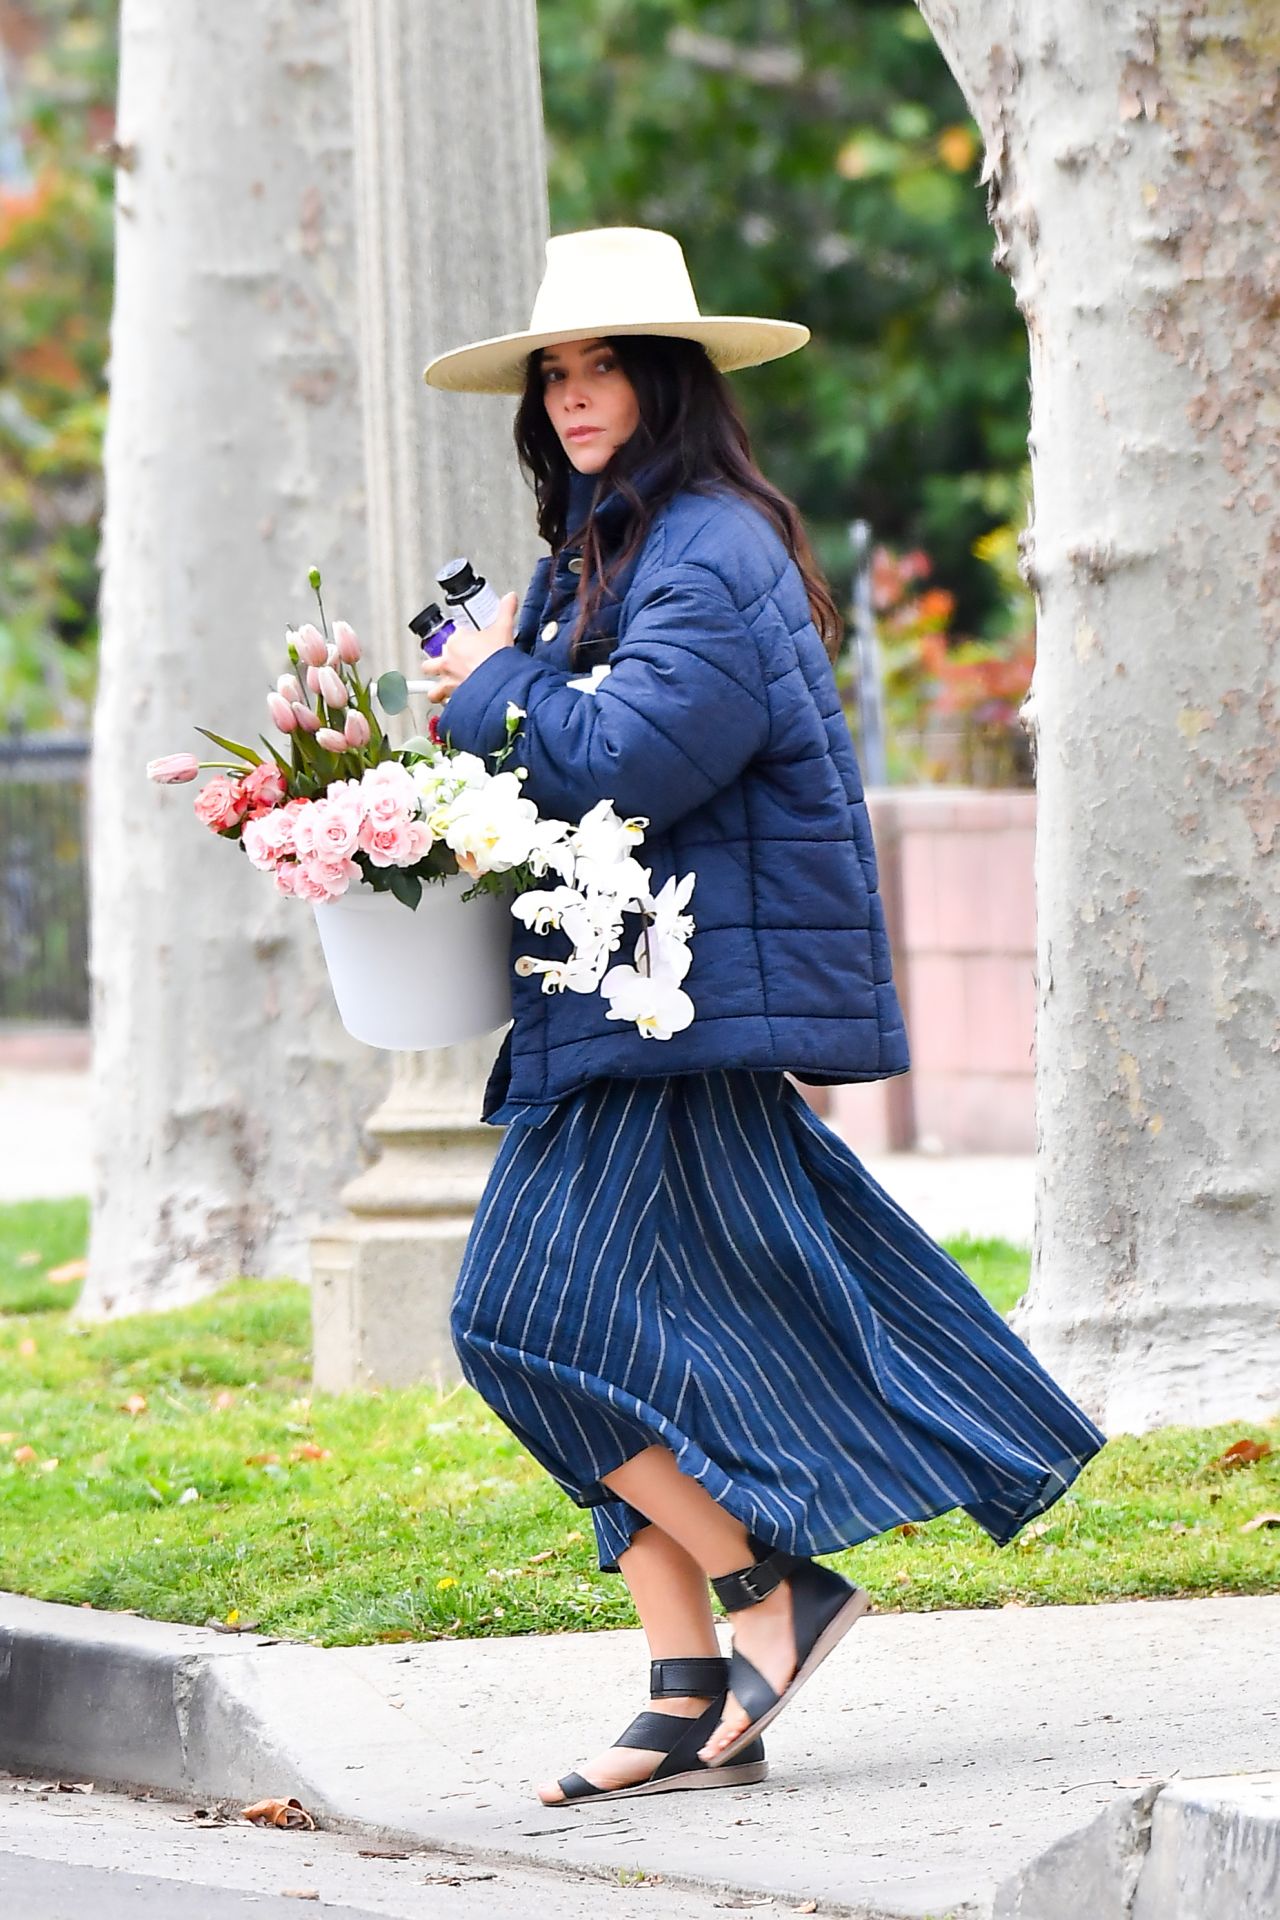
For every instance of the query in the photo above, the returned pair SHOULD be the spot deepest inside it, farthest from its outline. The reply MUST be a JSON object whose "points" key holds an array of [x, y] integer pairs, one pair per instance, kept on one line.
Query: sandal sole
{"points": [[742, 1776], [850, 1613]]}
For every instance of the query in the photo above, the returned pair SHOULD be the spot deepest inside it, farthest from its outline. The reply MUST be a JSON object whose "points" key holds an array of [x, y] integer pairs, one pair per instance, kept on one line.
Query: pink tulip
{"points": [[348, 645], [172, 769], [356, 729], [332, 687], [282, 713], [330, 737], [313, 679], [312, 646], [332, 658], [288, 686], [308, 721]]}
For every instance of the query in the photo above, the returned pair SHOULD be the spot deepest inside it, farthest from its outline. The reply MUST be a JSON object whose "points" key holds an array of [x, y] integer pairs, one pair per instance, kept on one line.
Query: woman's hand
{"points": [[466, 648]]}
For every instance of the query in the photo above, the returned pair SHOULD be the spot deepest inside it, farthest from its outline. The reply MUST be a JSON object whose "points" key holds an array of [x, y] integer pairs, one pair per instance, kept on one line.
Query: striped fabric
{"points": [[696, 1260]]}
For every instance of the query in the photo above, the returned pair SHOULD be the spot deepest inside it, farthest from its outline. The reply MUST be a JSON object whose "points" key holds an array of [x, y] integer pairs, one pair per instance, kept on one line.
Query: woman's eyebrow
{"points": [[553, 353]]}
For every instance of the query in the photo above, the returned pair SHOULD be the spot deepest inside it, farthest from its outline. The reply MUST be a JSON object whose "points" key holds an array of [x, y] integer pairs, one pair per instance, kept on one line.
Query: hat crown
{"points": [[612, 277]]}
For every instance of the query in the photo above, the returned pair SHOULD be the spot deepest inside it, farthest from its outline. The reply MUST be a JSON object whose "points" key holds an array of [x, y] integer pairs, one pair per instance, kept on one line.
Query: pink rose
{"points": [[265, 786], [268, 839], [220, 804], [319, 880], [391, 843], [389, 792], [172, 769], [328, 831]]}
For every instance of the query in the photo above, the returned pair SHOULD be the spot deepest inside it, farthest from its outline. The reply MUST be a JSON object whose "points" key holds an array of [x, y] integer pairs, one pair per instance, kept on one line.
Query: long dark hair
{"points": [[693, 432]]}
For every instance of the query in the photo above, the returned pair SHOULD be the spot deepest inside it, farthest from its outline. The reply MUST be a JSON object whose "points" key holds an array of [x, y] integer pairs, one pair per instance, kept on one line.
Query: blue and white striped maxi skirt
{"points": [[696, 1261]]}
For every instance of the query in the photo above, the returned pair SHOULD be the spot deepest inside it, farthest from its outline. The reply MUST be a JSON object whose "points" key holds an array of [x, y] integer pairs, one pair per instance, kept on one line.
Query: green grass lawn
{"points": [[233, 1493]]}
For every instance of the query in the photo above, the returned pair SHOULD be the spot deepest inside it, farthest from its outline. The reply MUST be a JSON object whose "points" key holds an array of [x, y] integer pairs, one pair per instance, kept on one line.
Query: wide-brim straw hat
{"points": [[610, 280]]}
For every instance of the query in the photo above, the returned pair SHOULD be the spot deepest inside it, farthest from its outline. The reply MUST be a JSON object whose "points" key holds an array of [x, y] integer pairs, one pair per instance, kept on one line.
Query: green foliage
{"points": [[817, 162], [178, 1463], [55, 303]]}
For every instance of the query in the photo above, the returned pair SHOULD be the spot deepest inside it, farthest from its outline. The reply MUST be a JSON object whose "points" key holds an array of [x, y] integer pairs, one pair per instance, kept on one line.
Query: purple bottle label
{"points": [[435, 643]]}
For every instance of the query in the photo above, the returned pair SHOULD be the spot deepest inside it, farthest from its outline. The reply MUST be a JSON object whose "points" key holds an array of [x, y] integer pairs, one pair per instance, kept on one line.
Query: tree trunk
{"points": [[228, 1100], [1134, 175]]}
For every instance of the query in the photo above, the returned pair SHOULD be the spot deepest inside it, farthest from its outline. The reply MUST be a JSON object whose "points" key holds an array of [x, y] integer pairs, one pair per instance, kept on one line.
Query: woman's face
{"points": [[589, 401]]}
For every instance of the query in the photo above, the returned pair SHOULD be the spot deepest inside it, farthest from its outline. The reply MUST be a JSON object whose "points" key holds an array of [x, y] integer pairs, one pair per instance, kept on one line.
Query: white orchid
{"points": [[603, 837], [543, 908], [669, 919], [485, 820], [657, 1003]]}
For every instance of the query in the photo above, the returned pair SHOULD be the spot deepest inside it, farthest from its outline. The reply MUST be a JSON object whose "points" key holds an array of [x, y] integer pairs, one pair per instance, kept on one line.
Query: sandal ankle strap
{"points": [[749, 1585], [693, 1674]]}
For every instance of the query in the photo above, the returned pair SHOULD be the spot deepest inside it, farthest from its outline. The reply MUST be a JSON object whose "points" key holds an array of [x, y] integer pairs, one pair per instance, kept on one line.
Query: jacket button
{"points": [[551, 629]]}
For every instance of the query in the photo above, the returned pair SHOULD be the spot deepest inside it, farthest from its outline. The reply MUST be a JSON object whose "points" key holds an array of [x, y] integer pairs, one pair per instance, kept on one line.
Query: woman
{"points": [[682, 1292]]}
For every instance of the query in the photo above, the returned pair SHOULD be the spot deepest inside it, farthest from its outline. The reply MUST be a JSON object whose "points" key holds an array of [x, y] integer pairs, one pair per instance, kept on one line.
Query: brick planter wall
{"points": [[956, 873]]}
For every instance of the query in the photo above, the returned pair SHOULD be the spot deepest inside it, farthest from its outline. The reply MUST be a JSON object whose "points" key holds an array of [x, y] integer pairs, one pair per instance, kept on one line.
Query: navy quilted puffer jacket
{"points": [[719, 720]]}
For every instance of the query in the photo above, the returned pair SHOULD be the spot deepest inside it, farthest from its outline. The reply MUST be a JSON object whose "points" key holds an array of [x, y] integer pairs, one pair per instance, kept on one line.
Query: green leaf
{"points": [[416, 743], [392, 692], [405, 886], [232, 746], [276, 755]]}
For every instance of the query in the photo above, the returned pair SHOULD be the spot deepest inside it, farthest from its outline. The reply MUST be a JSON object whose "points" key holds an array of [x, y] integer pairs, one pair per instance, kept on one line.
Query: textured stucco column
{"points": [[451, 198]]}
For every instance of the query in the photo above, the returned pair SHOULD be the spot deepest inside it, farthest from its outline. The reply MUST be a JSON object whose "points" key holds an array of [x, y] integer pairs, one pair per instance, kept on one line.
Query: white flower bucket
{"points": [[414, 978]]}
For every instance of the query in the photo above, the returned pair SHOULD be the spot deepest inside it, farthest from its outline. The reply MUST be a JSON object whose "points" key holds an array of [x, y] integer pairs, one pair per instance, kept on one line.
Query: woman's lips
{"points": [[580, 433]]}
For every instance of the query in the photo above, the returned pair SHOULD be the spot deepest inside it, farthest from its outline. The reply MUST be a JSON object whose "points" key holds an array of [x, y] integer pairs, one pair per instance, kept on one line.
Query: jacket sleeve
{"points": [[682, 710]]}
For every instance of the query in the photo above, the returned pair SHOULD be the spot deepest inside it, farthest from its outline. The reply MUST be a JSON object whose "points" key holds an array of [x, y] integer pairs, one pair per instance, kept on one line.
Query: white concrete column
{"points": [[451, 197]]}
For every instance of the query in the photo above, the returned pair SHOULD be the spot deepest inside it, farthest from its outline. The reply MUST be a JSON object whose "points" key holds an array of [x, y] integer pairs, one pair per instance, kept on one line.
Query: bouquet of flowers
{"points": [[344, 808]]}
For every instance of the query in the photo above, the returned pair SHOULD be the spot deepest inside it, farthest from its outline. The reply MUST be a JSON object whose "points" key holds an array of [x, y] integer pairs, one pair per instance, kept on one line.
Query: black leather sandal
{"points": [[676, 1737], [823, 1608]]}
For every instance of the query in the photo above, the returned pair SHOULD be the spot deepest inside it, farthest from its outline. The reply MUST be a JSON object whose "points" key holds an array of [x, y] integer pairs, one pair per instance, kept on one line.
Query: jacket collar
{"points": [[611, 514]]}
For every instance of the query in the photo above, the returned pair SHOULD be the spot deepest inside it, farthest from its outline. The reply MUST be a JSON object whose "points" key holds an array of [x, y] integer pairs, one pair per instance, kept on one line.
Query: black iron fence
{"points": [[44, 880]]}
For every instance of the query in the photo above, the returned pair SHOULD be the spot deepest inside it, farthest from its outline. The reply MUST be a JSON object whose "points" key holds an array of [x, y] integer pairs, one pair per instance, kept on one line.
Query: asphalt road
{"points": [[108, 1856]]}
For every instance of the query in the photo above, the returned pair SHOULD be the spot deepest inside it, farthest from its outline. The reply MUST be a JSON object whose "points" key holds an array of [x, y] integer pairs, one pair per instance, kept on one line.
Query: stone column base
{"points": [[380, 1295]]}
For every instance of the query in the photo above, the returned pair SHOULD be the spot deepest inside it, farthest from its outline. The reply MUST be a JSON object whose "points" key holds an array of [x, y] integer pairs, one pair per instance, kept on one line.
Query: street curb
{"points": [[220, 1717], [187, 1711]]}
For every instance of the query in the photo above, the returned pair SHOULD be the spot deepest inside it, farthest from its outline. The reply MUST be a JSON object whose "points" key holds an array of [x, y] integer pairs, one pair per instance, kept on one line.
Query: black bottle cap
{"points": [[427, 621], [458, 579]]}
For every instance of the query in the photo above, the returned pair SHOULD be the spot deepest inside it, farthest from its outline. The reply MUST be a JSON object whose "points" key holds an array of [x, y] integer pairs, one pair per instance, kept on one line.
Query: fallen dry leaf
{"points": [[908, 1527], [310, 1451], [806, 1906], [203, 1817], [5, 1438], [278, 1813], [222, 1402], [23, 1454], [1241, 1453], [1261, 1520], [27, 1348], [64, 1275], [31, 1258], [394, 1700], [299, 1893], [262, 1459], [135, 1404], [382, 1853]]}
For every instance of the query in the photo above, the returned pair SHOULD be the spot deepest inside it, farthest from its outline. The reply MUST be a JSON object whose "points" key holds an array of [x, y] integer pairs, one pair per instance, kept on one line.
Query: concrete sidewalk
{"points": [[935, 1756]]}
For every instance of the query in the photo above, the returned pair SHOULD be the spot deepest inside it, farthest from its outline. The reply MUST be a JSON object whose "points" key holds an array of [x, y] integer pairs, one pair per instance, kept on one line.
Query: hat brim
{"points": [[498, 365]]}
